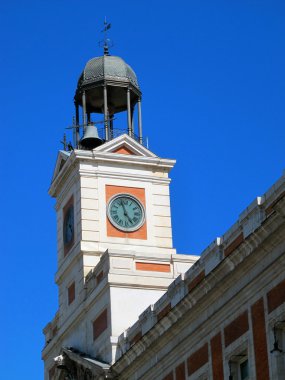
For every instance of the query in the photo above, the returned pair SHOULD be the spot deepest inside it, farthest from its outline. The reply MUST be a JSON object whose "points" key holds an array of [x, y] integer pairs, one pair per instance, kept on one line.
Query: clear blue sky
{"points": [[213, 81]]}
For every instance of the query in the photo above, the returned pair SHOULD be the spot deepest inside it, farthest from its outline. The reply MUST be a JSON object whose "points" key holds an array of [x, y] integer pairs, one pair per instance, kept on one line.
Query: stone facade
{"points": [[222, 314], [224, 318]]}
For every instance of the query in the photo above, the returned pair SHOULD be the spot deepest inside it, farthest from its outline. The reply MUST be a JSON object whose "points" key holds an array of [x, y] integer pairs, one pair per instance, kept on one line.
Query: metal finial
{"points": [[106, 42], [64, 142]]}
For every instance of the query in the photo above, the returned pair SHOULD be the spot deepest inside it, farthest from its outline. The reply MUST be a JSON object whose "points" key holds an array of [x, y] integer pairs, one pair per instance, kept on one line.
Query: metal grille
{"points": [[115, 132]]}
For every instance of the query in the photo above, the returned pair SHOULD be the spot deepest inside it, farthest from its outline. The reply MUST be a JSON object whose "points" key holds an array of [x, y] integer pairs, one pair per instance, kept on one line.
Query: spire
{"points": [[107, 41]]}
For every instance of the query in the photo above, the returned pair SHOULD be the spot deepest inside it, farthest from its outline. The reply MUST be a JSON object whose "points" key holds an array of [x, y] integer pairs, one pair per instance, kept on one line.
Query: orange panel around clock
{"points": [[138, 193]]}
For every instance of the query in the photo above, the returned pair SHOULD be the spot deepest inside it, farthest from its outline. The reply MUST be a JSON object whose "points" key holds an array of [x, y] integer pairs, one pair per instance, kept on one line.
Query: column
{"points": [[129, 112], [84, 110], [106, 113], [140, 120], [77, 134]]}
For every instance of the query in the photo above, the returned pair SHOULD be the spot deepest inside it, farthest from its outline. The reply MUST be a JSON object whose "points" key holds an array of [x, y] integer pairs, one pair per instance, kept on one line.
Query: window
{"points": [[244, 370], [71, 293], [277, 350], [100, 324], [239, 367]]}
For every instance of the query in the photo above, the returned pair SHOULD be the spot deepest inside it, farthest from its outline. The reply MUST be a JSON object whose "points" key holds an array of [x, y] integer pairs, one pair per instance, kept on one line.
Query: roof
{"points": [[107, 67]]}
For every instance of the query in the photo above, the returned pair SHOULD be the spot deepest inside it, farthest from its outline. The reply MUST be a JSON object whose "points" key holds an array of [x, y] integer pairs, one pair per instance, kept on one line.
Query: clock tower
{"points": [[114, 235]]}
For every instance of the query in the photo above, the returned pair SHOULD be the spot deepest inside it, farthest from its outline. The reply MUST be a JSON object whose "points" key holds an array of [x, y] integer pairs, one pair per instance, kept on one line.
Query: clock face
{"points": [[126, 212], [68, 226]]}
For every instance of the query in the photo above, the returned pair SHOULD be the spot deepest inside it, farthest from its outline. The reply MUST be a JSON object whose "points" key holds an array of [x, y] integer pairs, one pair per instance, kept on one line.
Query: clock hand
{"points": [[124, 208], [129, 219], [125, 212]]}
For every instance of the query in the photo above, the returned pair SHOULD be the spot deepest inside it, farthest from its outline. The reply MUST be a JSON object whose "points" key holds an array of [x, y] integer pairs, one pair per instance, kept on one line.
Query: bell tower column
{"points": [[106, 113], [140, 120]]}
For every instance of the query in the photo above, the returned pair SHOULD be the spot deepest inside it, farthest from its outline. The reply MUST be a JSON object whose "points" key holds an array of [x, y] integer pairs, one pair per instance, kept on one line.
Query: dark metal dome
{"points": [[110, 71], [107, 67]]}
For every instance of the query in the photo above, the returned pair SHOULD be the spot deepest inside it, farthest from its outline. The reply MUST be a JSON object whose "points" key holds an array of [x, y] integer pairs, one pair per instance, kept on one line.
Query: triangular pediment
{"points": [[79, 365], [125, 144], [60, 161]]}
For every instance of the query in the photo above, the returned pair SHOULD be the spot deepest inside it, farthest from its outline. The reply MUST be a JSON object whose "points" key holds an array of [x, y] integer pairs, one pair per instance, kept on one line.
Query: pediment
{"points": [[74, 364], [125, 144], [60, 161]]}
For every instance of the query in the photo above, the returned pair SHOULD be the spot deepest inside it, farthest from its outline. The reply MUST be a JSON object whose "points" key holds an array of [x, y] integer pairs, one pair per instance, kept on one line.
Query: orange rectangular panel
{"points": [[180, 372], [196, 280], [276, 296], [153, 267], [71, 293], [169, 376], [163, 312], [138, 193], [217, 357], [234, 245], [260, 340], [236, 328], [197, 359], [123, 150], [100, 324]]}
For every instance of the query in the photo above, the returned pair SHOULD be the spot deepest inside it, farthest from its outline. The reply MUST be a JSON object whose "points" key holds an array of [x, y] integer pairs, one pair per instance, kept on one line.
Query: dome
{"points": [[110, 71], [107, 67]]}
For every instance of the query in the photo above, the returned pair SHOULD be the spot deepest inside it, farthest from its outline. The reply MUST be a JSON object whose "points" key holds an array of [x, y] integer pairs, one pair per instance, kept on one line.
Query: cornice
{"points": [[62, 175], [127, 176], [124, 161]]}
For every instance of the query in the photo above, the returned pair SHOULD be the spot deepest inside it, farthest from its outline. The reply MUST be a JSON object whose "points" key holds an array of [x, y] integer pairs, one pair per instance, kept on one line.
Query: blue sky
{"points": [[213, 82]]}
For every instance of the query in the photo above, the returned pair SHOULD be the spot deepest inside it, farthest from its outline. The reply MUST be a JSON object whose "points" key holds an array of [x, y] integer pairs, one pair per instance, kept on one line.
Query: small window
{"points": [[239, 367], [277, 350], [244, 370], [100, 324], [71, 293]]}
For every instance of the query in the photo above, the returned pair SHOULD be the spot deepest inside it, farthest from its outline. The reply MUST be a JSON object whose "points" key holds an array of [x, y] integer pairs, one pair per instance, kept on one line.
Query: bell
{"points": [[90, 140]]}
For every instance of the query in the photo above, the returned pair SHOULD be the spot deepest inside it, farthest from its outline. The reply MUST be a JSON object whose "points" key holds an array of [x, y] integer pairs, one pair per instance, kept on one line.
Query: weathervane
{"points": [[106, 43]]}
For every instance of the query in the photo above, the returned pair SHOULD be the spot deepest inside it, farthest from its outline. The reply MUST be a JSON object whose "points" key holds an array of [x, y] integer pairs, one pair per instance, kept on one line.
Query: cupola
{"points": [[107, 86]]}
